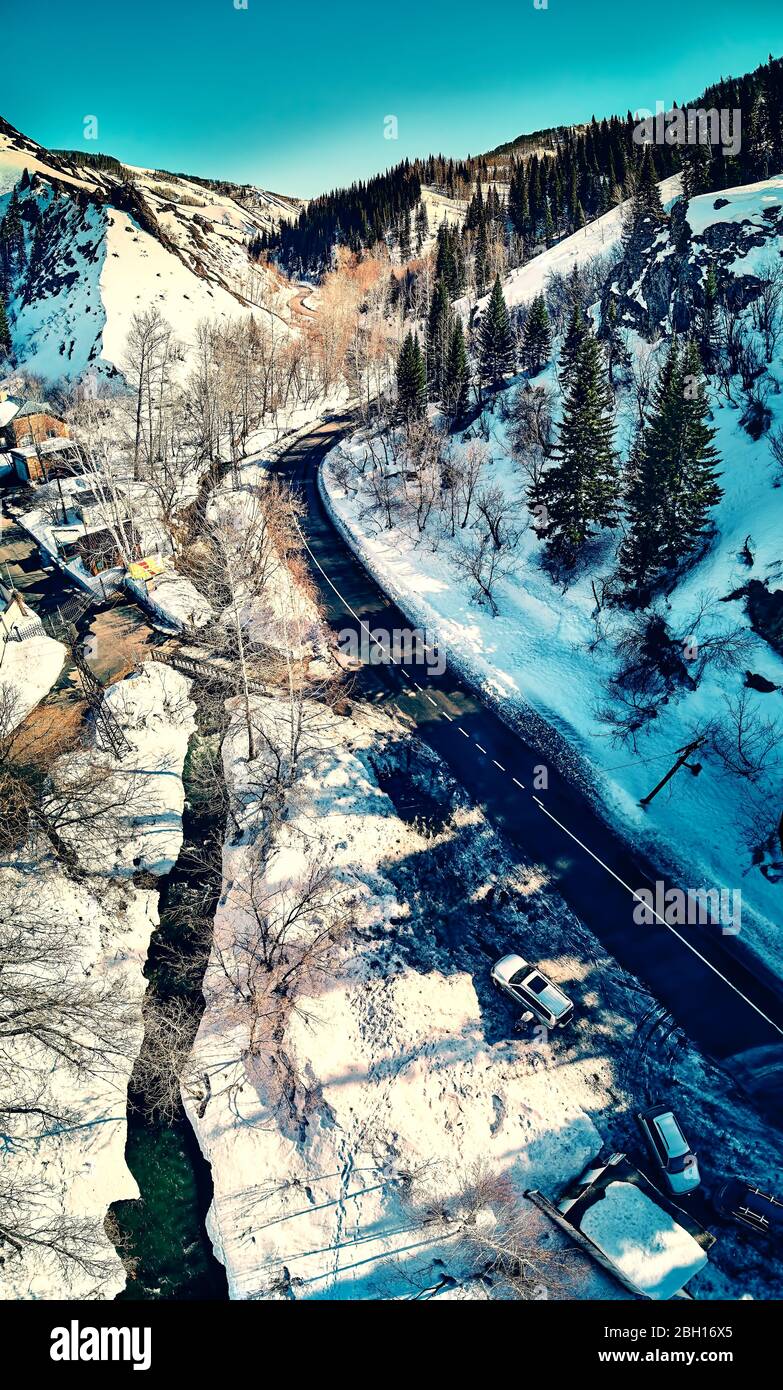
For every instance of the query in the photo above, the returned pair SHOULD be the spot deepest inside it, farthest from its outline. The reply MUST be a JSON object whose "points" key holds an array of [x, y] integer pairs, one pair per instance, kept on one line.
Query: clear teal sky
{"points": [[292, 95]]}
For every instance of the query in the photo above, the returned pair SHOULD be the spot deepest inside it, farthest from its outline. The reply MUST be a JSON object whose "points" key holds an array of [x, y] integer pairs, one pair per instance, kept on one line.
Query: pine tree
{"points": [[448, 262], [422, 226], [646, 208], [455, 394], [695, 170], [12, 236], [575, 334], [580, 488], [5, 331], [480, 258], [673, 478], [617, 354], [537, 338], [439, 332], [700, 476], [411, 381], [518, 208], [496, 340], [405, 236]]}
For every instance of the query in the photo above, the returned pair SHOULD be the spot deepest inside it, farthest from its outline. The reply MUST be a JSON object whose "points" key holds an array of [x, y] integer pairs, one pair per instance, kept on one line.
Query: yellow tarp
{"points": [[146, 569]]}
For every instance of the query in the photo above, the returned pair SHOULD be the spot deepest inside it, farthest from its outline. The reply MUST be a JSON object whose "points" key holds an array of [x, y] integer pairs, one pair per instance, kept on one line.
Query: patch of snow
{"points": [[653, 1251]]}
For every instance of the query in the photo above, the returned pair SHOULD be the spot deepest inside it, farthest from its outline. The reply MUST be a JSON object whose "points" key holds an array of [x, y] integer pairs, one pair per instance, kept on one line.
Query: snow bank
{"points": [[172, 598], [28, 670], [79, 1170], [746, 203], [653, 1251]]}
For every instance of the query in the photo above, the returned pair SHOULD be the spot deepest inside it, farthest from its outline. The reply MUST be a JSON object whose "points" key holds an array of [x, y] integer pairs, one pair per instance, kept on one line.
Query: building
{"points": [[35, 440], [616, 1216], [26, 421], [84, 532], [40, 463]]}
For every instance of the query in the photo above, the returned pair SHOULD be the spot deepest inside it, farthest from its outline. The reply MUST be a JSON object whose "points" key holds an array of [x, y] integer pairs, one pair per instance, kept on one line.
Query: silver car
{"points": [[538, 996], [670, 1149]]}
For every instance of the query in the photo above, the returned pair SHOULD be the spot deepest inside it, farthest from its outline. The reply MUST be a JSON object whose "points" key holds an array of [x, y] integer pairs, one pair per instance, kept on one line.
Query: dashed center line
{"points": [[543, 808]]}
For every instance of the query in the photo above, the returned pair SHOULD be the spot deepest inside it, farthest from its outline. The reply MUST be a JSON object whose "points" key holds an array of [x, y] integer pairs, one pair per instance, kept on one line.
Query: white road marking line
{"points": [[577, 841], [519, 784], [497, 764], [446, 715], [662, 920], [432, 702], [480, 749]]}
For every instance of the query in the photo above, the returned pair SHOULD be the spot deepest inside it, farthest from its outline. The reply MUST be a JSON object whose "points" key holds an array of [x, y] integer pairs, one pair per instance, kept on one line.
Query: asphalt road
{"points": [[710, 993]]}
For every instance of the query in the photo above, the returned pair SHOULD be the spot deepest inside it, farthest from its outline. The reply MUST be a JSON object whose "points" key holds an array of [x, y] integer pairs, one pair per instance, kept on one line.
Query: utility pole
{"points": [[682, 760]]}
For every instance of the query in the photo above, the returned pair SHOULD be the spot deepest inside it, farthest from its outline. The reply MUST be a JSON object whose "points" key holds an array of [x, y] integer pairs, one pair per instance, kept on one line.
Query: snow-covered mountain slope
{"points": [[112, 240], [554, 649], [598, 238], [735, 233]]}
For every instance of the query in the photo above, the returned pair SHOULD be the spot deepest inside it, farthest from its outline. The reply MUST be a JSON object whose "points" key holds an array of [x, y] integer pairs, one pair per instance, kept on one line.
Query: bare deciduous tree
{"points": [[747, 742]]}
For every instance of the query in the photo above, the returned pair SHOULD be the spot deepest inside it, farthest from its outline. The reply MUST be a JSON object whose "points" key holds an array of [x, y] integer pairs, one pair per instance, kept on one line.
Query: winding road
{"points": [[712, 994]]}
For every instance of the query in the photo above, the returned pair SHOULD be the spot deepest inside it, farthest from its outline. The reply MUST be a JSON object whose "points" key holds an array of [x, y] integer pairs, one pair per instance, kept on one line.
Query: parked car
{"points": [[751, 1206], [526, 985], [670, 1149]]}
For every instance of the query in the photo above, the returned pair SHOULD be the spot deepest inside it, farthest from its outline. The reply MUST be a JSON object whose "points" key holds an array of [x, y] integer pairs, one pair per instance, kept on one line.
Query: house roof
{"points": [[59, 444], [30, 407]]}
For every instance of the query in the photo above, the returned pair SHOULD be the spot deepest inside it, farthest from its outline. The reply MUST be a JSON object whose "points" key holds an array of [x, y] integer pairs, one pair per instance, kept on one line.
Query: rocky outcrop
{"points": [[660, 281]]}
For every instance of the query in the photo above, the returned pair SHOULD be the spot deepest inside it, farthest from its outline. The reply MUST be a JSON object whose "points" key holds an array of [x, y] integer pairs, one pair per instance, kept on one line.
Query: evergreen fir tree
{"points": [[496, 340], [480, 258], [617, 354], [405, 236], [411, 381], [646, 209], [537, 338], [701, 490], [673, 478], [5, 330], [695, 170], [580, 488], [12, 236], [439, 332], [576, 331], [455, 395], [422, 226]]}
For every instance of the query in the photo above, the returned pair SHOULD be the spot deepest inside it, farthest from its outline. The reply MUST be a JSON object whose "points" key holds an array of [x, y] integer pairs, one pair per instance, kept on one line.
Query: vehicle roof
{"points": [[669, 1128], [511, 960], [740, 1193], [552, 996]]}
